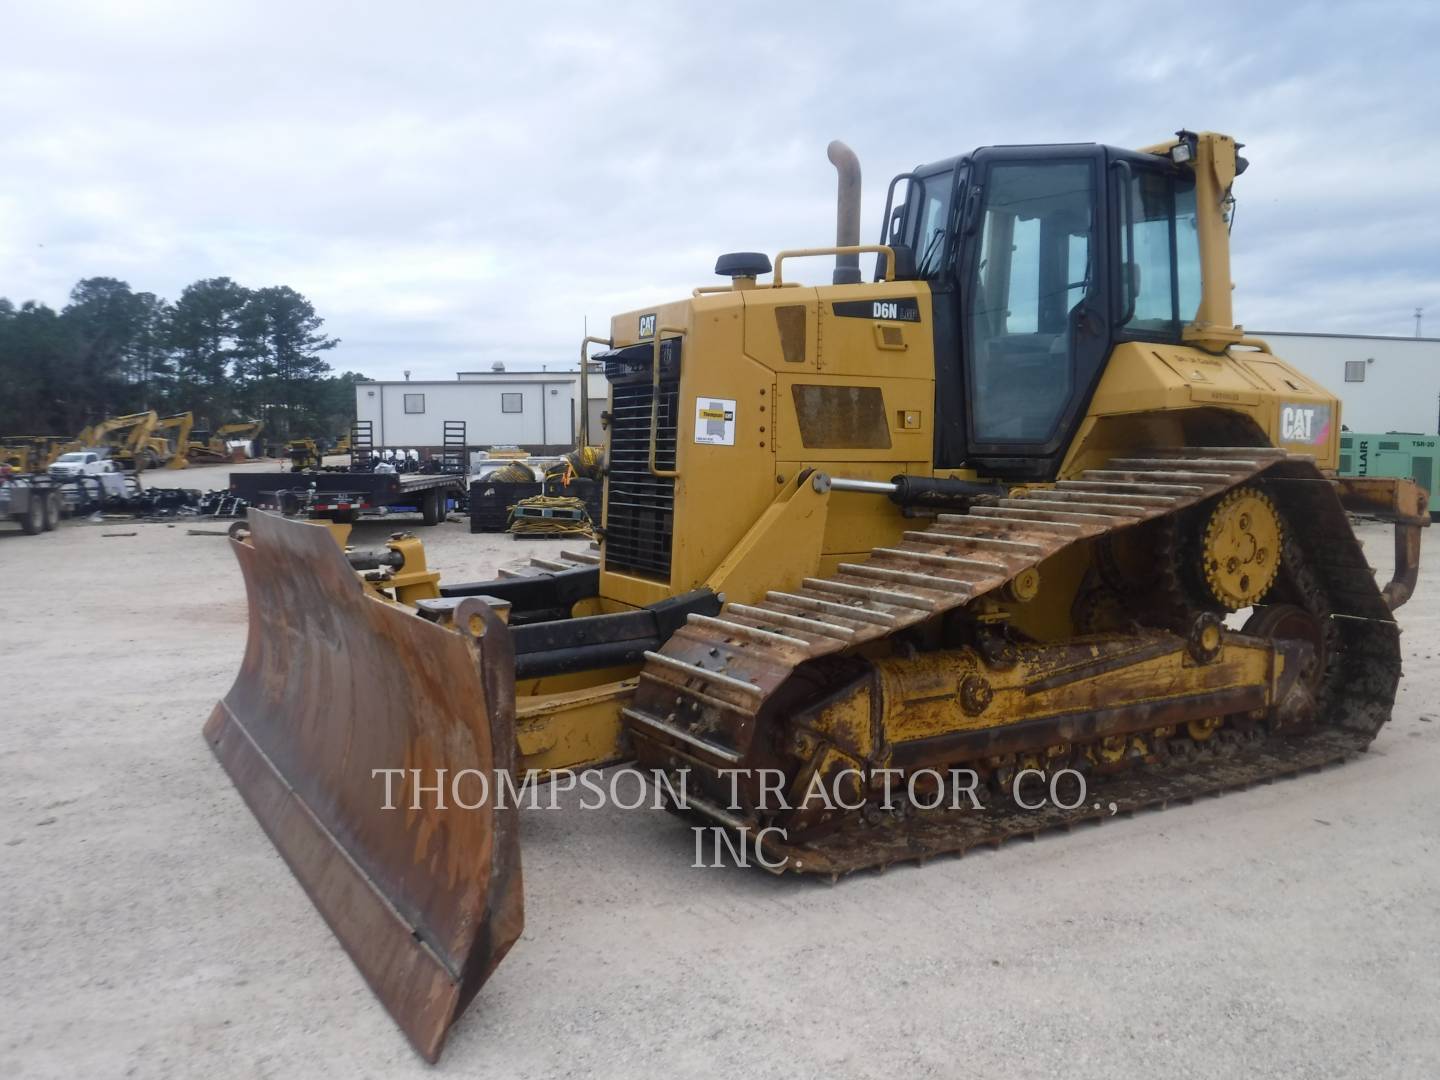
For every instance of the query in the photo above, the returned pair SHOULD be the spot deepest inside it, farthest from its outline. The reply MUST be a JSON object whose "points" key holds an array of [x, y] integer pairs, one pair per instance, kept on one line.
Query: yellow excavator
{"points": [[142, 440], [1028, 506], [169, 441], [126, 437]]}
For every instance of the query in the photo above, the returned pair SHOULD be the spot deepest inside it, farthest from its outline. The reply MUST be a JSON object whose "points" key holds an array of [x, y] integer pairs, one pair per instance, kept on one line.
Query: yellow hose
{"points": [[520, 525], [517, 472], [584, 463]]}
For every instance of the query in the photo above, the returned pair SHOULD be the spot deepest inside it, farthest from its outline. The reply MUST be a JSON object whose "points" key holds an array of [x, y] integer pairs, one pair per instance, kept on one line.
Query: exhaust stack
{"points": [[847, 211]]}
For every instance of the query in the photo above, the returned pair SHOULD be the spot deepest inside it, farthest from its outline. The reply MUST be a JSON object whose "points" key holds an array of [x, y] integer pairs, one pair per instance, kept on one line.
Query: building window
{"points": [[512, 403], [414, 403], [1354, 370]]}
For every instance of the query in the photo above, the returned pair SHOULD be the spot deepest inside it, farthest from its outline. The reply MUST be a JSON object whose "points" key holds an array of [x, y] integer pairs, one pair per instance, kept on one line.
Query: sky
{"points": [[454, 183]]}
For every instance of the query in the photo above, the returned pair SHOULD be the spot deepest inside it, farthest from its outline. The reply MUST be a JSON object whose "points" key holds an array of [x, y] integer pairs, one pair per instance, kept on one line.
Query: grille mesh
{"points": [[640, 514]]}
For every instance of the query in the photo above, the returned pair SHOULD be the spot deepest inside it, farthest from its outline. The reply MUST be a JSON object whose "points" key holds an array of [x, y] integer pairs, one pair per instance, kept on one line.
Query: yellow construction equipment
{"points": [[216, 448], [141, 440], [1028, 507], [34, 453], [126, 437], [170, 440], [304, 454]]}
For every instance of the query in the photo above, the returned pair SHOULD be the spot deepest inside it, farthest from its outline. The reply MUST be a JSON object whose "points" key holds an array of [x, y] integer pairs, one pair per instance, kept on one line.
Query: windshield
{"points": [[71, 457]]}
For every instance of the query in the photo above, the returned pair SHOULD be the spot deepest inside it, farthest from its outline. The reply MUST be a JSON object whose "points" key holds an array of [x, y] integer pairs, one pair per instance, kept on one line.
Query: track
{"points": [[717, 695]]}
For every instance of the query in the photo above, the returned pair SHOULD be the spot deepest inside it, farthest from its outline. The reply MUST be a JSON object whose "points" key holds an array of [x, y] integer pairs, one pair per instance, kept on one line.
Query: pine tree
{"points": [[106, 317], [200, 332], [279, 344]]}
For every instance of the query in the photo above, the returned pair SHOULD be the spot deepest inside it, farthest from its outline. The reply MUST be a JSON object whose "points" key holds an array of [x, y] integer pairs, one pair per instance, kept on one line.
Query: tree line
{"points": [[221, 351]]}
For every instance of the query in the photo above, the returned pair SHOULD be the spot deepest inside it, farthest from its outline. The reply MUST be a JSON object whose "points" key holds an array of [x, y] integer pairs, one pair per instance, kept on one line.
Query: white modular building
{"points": [[1384, 383], [536, 410]]}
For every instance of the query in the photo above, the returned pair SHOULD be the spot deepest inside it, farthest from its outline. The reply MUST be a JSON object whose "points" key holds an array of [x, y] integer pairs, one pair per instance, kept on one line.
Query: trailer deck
{"points": [[344, 496]]}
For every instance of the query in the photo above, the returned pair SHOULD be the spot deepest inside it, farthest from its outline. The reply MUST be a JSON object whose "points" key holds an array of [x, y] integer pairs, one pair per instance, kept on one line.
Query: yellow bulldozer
{"points": [[216, 448], [1026, 507]]}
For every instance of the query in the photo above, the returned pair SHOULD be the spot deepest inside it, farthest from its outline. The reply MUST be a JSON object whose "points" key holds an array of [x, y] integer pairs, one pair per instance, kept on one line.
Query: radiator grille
{"points": [[640, 514]]}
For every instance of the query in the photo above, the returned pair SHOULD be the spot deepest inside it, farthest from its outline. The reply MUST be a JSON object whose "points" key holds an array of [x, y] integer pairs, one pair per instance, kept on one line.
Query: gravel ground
{"points": [[151, 930]]}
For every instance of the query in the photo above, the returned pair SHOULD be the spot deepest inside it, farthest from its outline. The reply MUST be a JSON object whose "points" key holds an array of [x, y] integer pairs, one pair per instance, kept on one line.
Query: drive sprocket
{"points": [[1240, 552]]}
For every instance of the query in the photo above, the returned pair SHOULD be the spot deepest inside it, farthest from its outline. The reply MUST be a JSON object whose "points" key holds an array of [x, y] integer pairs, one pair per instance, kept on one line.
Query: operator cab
{"points": [[1040, 259]]}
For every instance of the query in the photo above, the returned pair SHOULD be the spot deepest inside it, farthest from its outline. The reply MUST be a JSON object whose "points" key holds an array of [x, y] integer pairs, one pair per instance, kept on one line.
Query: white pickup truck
{"points": [[81, 463]]}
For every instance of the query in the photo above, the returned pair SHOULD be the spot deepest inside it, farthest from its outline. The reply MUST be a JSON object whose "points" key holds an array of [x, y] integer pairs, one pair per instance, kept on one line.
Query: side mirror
{"points": [[971, 216], [897, 218]]}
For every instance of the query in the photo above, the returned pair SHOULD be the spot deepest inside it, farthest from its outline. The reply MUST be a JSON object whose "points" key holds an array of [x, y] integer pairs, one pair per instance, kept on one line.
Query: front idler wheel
{"points": [[1288, 622]]}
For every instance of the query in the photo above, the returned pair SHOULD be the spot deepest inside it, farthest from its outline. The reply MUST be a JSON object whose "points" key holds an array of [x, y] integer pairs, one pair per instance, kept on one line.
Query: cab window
{"points": [[931, 218], [1033, 271], [1160, 283]]}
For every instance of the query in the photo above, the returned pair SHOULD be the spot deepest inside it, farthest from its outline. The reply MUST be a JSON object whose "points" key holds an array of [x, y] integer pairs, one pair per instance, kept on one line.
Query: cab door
{"points": [[1034, 271]]}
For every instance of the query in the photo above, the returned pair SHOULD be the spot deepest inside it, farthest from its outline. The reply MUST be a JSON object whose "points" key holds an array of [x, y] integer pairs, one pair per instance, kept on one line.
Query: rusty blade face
{"points": [[337, 683]]}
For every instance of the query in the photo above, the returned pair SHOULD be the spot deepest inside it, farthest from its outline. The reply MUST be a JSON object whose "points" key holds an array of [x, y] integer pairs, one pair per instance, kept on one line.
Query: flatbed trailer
{"points": [[30, 500], [345, 496]]}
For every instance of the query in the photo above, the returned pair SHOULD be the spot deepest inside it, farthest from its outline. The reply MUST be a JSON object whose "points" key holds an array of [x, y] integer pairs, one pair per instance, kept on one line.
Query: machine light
{"points": [[1186, 148]]}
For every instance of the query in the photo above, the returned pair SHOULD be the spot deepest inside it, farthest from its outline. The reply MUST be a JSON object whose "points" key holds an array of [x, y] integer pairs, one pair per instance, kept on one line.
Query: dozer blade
{"points": [[337, 683]]}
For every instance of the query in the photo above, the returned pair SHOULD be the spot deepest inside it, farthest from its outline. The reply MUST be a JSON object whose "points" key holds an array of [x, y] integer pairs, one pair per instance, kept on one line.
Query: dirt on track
{"points": [[151, 930]]}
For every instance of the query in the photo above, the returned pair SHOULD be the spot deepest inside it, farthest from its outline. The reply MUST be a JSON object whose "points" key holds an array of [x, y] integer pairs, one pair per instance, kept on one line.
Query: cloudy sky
{"points": [[454, 183]]}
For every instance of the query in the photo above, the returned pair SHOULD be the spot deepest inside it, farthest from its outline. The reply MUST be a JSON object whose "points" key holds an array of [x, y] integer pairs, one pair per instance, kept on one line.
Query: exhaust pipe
{"points": [[847, 211]]}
